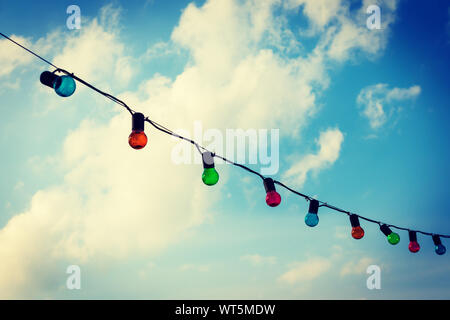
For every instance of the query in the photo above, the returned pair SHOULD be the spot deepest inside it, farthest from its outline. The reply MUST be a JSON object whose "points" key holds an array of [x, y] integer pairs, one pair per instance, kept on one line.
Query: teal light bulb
{"points": [[210, 176], [64, 86], [311, 219]]}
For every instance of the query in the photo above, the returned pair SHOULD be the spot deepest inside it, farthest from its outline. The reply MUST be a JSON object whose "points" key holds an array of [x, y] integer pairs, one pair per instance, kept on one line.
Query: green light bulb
{"points": [[210, 176], [393, 238]]}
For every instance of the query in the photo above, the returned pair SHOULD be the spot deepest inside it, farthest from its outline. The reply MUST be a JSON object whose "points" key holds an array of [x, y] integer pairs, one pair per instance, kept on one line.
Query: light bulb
{"points": [[137, 139], [210, 175], [439, 247], [311, 218], [64, 86], [413, 244], [392, 237], [273, 198], [357, 231]]}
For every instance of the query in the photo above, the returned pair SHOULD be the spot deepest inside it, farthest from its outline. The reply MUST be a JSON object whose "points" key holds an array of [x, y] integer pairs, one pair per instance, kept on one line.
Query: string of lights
{"points": [[64, 85]]}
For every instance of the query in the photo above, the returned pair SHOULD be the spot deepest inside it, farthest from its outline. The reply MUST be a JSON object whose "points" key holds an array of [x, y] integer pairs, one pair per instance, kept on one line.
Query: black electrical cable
{"points": [[202, 149]]}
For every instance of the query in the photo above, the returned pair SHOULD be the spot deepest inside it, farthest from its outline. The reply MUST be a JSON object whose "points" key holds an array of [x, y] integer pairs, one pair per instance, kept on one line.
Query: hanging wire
{"points": [[201, 149]]}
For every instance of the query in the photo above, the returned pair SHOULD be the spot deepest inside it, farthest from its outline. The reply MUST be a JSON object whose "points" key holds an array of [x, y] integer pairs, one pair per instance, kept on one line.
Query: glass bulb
{"points": [[440, 249], [311, 219], [210, 176], [137, 139], [64, 86], [393, 238], [273, 198], [414, 246], [357, 232]]}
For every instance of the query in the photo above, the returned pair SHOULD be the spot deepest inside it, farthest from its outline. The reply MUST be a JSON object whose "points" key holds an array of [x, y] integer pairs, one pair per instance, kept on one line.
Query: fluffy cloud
{"points": [[379, 103], [101, 37], [338, 263], [12, 57], [257, 260], [319, 12], [356, 267], [194, 267], [305, 271], [234, 74], [344, 32], [352, 34], [329, 143]]}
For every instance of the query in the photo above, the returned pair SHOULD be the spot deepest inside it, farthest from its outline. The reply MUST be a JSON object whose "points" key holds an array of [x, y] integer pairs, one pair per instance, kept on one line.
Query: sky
{"points": [[362, 116]]}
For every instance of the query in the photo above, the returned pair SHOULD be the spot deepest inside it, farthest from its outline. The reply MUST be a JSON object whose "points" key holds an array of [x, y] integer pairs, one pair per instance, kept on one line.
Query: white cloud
{"points": [[19, 185], [319, 12], [402, 94], [11, 56], [258, 260], [194, 267], [379, 103], [234, 74], [344, 32], [339, 263], [329, 143], [356, 267], [96, 52], [305, 271], [352, 34]]}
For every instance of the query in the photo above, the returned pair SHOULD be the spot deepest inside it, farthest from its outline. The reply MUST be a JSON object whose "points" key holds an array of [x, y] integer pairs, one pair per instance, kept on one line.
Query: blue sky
{"points": [[363, 123]]}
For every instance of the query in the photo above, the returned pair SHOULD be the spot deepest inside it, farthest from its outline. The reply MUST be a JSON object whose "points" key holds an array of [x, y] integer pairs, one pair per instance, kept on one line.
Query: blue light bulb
{"points": [[311, 219], [440, 249], [64, 86]]}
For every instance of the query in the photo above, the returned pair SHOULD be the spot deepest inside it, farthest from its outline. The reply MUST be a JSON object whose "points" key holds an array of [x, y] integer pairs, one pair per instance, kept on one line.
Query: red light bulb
{"points": [[138, 139], [414, 247], [357, 231], [273, 198], [413, 244]]}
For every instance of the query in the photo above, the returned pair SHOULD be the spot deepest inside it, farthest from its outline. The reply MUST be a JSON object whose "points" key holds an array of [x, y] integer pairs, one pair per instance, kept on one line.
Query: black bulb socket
{"points": [[269, 185], [138, 122], [436, 240], [412, 236], [385, 229], [208, 160], [354, 220], [48, 78], [313, 206]]}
